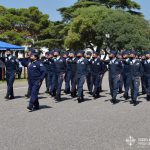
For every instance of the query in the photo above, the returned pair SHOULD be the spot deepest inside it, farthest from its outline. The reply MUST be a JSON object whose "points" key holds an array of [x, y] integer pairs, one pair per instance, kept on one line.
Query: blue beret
{"points": [[126, 52], [81, 52], [66, 53], [36, 54], [88, 53], [114, 52], [32, 50], [57, 50], [71, 52], [133, 52], [96, 53]]}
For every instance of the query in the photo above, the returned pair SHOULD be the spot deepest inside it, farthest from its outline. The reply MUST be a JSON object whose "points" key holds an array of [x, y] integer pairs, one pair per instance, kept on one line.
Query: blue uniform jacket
{"points": [[60, 65], [97, 67], [12, 64], [36, 71], [115, 68], [82, 67], [136, 68]]}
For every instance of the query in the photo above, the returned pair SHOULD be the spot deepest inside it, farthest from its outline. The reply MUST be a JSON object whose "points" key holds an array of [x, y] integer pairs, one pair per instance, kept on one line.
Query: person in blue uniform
{"points": [[119, 57], [126, 73], [25, 61], [36, 74], [146, 74], [115, 70], [81, 74], [143, 81], [96, 72], [136, 71], [72, 62], [67, 75], [88, 76], [46, 63], [60, 64], [52, 75], [12, 67]]}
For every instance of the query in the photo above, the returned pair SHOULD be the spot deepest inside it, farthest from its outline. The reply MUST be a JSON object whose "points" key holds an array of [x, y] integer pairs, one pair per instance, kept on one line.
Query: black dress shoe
{"points": [[58, 98], [30, 108], [120, 91], [73, 94], [143, 92], [27, 96], [96, 96], [11, 97], [36, 108], [79, 100], [7, 97], [46, 91], [126, 96], [148, 97], [114, 101]]}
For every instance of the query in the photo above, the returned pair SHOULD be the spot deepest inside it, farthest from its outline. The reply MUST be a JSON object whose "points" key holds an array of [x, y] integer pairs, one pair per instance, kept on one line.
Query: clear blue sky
{"points": [[50, 6]]}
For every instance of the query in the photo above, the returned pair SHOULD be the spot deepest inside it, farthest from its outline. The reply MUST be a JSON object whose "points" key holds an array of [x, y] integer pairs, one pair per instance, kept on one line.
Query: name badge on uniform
{"points": [[98, 64], [41, 65], [116, 63], [61, 60], [82, 63], [34, 66], [12, 61]]}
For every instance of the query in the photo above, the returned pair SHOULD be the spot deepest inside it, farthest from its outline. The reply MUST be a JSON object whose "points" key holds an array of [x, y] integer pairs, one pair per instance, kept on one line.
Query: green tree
{"points": [[81, 33], [125, 30], [125, 4]]}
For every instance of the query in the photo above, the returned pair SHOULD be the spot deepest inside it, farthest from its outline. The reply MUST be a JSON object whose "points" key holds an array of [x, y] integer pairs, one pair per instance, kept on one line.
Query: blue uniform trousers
{"points": [[59, 81], [67, 81], [10, 77], [147, 84], [80, 83], [52, 82], [34, 88], [73, 82], [114, 85], [47, 81], [135, 83], [127, 82], [95, 80], [88, 81]]}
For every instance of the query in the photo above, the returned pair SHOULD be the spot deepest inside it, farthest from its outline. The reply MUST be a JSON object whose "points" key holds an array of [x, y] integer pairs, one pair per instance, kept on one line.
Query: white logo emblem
{"points": [[130, 140]]}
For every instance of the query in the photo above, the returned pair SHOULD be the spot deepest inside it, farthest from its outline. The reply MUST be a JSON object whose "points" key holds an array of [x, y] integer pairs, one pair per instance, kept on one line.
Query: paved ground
{"points": [[92, 125]]}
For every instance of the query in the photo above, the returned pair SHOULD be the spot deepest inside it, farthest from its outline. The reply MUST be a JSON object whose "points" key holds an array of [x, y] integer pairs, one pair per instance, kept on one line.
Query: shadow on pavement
{"points": [[45, 107], [42, 97]]}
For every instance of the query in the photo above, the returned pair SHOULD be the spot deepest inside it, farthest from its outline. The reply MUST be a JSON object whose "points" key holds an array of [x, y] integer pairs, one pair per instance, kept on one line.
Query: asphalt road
{"points": [[91, 125]]}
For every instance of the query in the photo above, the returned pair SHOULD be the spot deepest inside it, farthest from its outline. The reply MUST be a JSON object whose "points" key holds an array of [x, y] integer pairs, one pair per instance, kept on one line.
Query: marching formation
{"points": [[126, 69]]}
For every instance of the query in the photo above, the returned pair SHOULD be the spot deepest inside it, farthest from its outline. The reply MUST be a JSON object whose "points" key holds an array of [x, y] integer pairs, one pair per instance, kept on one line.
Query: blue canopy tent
{"points": [[5, 46]]}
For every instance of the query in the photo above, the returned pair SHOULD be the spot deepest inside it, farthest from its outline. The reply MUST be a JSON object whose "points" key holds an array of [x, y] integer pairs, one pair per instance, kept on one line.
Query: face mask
{"points": [[94, 57], [71, 57], [88, 57], [8, 55], [110, 58], [55, 56], [131, 58], [79, 56]]}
